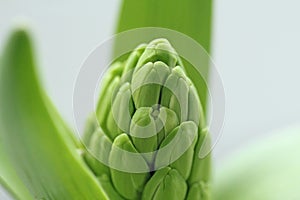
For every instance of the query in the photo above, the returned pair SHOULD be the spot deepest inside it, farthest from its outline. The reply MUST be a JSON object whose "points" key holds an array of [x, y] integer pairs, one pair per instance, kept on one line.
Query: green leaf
{"points": [[191, 17], [9, 179], [41, 149], [268, 170]]}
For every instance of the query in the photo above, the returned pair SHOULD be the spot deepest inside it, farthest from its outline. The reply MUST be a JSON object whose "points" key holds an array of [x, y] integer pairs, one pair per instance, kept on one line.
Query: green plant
{"points": [[149, 105], [41, 158], [39, 133], [39, 148]]}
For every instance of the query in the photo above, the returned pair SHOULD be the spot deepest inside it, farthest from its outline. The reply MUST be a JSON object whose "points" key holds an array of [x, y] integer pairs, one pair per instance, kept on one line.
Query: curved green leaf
{"points": [[9, 179], [41, 149], [269, 170], [191, 17]]}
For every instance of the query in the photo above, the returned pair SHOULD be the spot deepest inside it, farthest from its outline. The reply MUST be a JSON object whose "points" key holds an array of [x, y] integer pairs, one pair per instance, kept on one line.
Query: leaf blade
{"points": [[191, 17], [266, 170], [40, 147]]}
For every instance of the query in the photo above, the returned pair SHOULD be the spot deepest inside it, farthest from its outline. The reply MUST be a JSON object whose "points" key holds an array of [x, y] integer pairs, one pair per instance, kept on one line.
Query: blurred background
{"points": [[255, 47]]}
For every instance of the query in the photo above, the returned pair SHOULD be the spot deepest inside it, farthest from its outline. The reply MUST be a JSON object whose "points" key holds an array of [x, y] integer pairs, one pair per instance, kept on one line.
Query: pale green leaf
{"points": [[191, 17], [40, 147], [267, 170]]}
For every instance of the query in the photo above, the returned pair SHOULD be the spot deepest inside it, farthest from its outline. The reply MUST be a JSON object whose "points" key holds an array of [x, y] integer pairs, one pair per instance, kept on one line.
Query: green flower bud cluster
{"points": [[149, 127]]}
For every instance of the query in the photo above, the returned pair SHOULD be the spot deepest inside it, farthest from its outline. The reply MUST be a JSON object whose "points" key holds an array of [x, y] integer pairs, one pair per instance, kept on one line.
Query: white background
{"points": [[255, 46]]}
